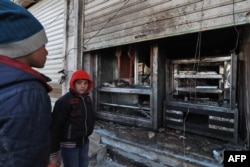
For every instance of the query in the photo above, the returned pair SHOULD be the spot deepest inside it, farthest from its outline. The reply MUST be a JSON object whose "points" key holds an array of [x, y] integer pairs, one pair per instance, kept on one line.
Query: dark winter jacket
{"points": [[25, 115], [73, 118]]}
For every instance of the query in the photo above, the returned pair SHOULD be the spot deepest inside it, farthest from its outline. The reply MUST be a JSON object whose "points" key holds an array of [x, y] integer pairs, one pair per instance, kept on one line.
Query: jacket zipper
{"points": [[86, 115], [69, 131]]}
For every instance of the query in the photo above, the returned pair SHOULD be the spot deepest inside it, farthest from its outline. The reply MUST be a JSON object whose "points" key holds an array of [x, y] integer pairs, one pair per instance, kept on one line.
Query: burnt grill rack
{"points": [[203, 101]]}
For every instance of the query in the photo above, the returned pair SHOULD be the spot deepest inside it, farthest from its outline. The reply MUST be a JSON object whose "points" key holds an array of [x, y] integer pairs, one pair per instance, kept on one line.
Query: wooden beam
{"points": [[25, 3]]}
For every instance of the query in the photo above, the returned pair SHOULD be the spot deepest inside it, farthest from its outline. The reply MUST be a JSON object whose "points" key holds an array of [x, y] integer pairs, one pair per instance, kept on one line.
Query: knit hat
{"points": [[80, 74], [20, 32]]}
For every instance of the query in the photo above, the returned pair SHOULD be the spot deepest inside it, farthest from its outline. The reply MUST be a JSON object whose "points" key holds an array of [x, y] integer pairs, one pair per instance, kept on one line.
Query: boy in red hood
{"points": [[73, 123]]}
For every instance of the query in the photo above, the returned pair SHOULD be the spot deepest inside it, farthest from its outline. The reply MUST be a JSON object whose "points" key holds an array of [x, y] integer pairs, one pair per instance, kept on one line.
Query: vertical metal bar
{"points": [[233, 81]]}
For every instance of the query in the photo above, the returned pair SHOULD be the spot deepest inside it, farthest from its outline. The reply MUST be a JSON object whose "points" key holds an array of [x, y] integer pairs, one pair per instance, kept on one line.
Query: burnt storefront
{"points": [[201, 91], [171, 83], [129, 85], [181, 65]]}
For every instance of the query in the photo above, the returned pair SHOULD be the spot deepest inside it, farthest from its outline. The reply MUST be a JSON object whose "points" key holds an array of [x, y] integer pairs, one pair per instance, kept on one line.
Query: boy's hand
{"points": [[55, 161]]}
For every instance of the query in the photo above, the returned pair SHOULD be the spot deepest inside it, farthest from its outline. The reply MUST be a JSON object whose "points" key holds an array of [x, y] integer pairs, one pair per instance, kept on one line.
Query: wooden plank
{"points": [[220, 134], [174, 124], [125, 90], [200, 90], [174, 117], [201, 109], [206, 59], [233, 82], [221, 123], [164, 30], [150, 25], [120, 8], [138, 9], [193, 128], [137, 15], [124, 33], [124, 119], [137, 107], [198, 76], [164, 11], [171, 31], [93, 3]]}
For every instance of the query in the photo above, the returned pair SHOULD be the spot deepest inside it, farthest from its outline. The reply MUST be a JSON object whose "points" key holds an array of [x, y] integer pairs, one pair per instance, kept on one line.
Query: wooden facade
{"points": [[168, 28], [162, 31], [113, 23]]}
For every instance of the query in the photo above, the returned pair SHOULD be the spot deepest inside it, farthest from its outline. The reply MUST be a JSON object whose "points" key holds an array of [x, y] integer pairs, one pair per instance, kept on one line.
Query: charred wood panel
{"points": [[123, 119], [202, 110], [202, 130], [137, 96], [214, 122], [226, 123]]}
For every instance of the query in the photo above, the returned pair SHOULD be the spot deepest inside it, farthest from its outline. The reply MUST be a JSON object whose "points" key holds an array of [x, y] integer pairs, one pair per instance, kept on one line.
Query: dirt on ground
{"points": [[170, 139]]}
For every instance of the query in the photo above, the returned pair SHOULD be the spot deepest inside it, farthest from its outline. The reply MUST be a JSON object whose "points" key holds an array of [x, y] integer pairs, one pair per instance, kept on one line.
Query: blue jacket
{"points": [[25, 116]]}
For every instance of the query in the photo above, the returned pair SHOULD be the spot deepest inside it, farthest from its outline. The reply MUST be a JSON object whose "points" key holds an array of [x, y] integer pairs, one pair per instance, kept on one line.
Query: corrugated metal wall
{"points": [[51, 15], [113, 23]]}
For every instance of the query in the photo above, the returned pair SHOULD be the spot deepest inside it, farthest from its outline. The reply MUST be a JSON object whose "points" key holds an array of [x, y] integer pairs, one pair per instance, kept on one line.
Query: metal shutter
{"points": [[51, 15]]}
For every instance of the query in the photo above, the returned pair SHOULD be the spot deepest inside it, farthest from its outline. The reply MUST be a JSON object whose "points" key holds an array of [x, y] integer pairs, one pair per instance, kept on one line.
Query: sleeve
{"points": [[91, 115], [25, 120], [59, 117]]}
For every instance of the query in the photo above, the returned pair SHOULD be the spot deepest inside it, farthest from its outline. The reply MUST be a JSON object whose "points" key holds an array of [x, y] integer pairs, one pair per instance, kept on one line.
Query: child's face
{"points": [[81, 85], [35, 59], [39, 57]]}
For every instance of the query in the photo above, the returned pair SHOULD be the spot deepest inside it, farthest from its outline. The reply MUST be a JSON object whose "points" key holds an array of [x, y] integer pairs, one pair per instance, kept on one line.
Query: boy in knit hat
{"points": [[73, 123], [25, 107]]}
